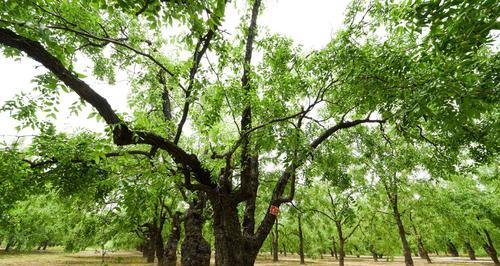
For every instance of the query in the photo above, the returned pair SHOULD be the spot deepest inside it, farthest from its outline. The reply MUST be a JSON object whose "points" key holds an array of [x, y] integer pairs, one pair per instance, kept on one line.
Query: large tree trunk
{"points": [[452, 249], [470, 250], [301, 243], [231, 248], [195, 249], [490, 249], [402, 235], [275, 241]]}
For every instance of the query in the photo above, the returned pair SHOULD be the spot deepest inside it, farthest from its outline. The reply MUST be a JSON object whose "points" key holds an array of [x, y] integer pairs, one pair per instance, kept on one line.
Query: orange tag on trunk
{"points": [[274, 210]]}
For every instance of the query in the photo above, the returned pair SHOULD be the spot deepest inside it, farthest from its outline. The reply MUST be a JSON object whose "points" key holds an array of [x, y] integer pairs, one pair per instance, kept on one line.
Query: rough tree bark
{"points": [[195, 249], [170, 251]]}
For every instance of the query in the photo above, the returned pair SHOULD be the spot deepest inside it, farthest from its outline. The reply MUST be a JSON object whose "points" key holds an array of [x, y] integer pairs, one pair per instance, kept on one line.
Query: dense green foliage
{"points": [[386, 137]]}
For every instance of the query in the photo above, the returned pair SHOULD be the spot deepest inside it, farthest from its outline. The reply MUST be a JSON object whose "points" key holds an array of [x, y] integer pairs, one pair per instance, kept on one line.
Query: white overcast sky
{"points": [[309, 22]]}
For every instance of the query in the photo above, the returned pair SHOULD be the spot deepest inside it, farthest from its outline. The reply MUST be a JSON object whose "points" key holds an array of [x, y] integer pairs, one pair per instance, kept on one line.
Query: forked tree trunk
{"points": [[490, 249], [452, 249], [195, 249], [301, 242], [470, 250]]}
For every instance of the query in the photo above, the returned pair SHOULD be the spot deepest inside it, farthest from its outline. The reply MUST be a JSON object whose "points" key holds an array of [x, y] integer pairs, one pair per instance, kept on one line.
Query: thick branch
{"points": [[327, 133], [122, 135]]}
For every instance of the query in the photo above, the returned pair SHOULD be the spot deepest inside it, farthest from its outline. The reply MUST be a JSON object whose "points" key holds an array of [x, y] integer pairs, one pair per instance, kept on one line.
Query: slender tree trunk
{"points": [[402, 234], [341, 258], [275, 241], [422, 251], [301, 242], [490, 249], [357, 251], [334, 247], [195, 249], [170, 252], [452, 249], [470, 250]]}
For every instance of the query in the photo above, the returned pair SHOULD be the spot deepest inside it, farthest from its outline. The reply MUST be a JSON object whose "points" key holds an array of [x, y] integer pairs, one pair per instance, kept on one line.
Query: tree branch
{"points": [[122, 135]]}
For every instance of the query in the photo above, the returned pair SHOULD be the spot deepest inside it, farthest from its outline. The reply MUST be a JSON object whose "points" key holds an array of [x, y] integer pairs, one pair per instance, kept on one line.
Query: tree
{"points": [[288, 104]]}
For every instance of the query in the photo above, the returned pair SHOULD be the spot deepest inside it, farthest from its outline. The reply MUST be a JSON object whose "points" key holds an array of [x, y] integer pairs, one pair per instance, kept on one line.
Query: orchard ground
{"points": [[54, 256]]}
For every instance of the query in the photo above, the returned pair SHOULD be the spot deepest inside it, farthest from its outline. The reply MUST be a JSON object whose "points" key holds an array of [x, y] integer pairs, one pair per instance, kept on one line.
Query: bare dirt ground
{"points": [[132, 258]]}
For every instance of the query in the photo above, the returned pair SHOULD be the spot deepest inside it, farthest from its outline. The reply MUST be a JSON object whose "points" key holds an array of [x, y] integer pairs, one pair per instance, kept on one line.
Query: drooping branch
{"points": [[122, 135], [118, 42], [109, 154]]}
